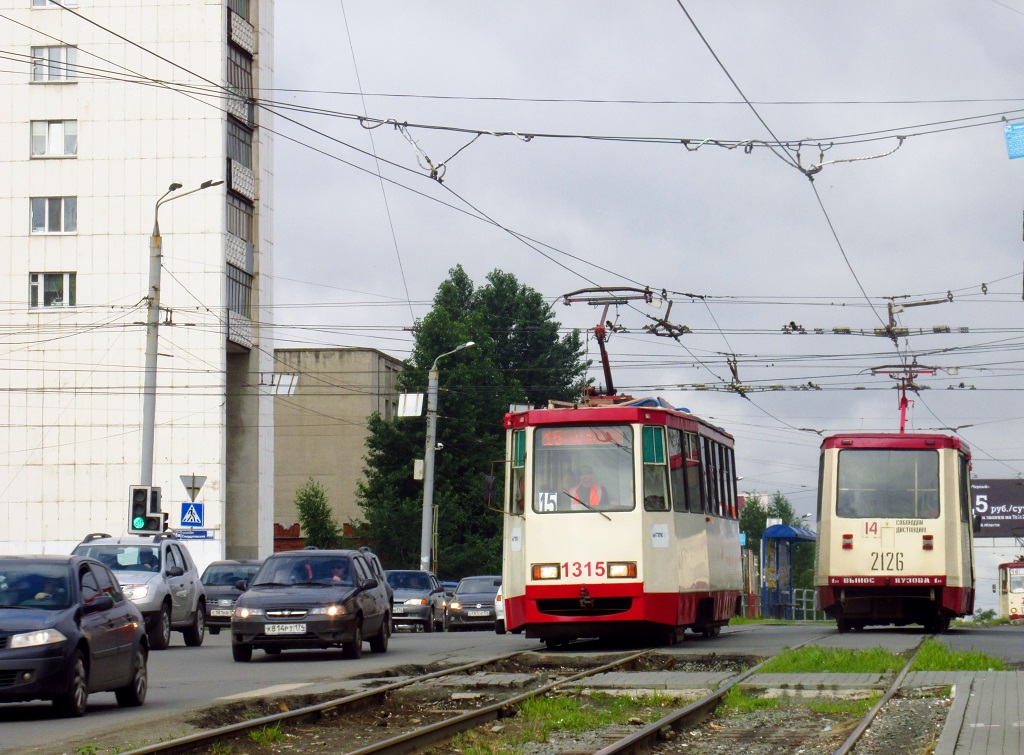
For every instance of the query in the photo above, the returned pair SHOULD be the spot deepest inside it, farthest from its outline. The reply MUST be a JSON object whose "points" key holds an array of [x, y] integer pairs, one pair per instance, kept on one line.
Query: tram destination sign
{"points": [[998, 508]]}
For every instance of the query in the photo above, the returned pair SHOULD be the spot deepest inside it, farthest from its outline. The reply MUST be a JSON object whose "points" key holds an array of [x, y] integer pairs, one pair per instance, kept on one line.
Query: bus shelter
{"points": [[777, 573]]}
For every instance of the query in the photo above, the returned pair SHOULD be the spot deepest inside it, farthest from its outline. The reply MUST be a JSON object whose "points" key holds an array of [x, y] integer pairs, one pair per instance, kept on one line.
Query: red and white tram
{"points": [[620, 520], [1011, 591], [894, 530]]}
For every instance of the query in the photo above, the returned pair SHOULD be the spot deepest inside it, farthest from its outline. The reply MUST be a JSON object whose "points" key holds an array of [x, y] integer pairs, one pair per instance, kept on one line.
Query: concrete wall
{"points": [[320, 430]]}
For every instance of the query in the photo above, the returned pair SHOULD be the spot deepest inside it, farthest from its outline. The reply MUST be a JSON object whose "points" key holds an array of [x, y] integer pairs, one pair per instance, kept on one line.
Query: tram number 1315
{"points": [[584, 569], [886, 561]]}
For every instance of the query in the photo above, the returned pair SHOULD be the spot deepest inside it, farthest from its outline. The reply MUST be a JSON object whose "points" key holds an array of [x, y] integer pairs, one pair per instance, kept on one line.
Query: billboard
{"points": [[998, 508]]}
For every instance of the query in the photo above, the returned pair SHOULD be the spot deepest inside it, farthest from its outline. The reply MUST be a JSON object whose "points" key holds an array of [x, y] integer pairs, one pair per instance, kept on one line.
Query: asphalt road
{"points": [[183, 680]]}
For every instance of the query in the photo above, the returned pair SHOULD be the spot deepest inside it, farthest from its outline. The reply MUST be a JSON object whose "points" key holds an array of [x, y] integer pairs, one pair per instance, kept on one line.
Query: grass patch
{"points": [[539, 717], [817, 660], [936, 656], [267, 735], [738, 701], [856, 708]]}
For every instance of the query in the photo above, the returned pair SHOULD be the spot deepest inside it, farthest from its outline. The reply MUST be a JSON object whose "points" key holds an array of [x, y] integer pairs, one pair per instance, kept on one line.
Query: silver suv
{"points": [[156, 573]]}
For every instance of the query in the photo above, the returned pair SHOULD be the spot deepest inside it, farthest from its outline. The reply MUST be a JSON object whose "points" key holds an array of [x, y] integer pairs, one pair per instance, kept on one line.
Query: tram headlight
{"points": [[546, 571], [622, 570]]}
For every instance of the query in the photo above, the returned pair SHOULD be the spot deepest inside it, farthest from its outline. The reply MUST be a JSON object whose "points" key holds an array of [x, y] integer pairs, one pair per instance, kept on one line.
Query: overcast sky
{"points": [[743, 228]]}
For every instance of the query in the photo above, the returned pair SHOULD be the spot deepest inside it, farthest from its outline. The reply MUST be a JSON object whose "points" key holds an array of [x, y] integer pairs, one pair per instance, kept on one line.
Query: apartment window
{"points": [[240, 144], [240, 71], [54, 3], [239, 291], [54, 138], [240, 218], [54, 214], [241, 7], [51, 289], [54, 63]]}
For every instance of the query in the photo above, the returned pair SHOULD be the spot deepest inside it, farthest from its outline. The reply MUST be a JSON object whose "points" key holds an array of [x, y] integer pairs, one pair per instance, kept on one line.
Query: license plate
{"points": [[285, 629], [477, 613], [220, 612], [396, 609]]}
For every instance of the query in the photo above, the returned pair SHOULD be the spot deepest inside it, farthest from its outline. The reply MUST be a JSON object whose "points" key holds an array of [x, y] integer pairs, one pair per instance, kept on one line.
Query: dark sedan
{"points": [[67, 630], [221, 580], [472, 603], [312, 599]]}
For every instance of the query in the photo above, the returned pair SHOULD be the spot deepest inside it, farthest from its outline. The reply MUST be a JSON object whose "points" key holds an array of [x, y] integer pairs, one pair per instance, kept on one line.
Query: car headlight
{"points": [[416, 602], [35, 639], [456, 605], [246, 613], [136, 592], [328, 611]]}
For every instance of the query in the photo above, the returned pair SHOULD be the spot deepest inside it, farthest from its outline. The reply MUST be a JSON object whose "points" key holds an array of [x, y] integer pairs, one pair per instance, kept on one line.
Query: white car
{"points": [[499, 613]]}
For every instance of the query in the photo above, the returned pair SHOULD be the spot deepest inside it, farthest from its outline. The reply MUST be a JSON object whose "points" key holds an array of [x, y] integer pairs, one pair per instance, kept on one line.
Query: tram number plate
{"points": [[584, 569], [220, 612], [886, 561], [286, 629]]}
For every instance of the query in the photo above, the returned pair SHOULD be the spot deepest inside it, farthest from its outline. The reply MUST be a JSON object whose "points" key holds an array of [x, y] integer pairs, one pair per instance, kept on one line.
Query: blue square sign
{"points": [[1014, 134], [191, 514]]}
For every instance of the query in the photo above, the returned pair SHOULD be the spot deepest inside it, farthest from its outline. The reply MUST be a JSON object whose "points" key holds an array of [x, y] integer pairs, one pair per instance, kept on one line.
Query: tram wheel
{"points": [[710, 632], [843, 626]]}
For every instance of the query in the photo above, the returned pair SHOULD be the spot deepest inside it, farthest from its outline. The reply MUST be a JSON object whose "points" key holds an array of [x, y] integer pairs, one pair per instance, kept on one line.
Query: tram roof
{"points": [[901, 441], [1012, 564], [655, 411]]}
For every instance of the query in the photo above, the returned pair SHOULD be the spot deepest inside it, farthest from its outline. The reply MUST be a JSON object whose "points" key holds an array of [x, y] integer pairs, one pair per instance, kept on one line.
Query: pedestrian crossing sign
{"points": [[191, 514]]}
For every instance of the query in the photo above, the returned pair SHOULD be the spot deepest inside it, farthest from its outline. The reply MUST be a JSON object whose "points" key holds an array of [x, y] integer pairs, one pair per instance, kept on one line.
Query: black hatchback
{"points": [[67, 630], [221, 580], [312, 599]]}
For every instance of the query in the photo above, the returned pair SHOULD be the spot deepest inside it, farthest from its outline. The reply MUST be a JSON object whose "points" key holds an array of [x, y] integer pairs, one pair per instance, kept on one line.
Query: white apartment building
{"points": [[103, 105]]}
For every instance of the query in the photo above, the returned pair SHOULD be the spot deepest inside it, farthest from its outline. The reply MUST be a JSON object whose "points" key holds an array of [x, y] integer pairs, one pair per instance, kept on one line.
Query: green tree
{"points": [[518, 357], [315, 516]]}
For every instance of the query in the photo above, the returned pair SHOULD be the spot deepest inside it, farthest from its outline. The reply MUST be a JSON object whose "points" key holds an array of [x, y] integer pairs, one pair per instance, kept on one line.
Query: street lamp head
{"points": [[208, 184], [174, 186], [466, 345]]}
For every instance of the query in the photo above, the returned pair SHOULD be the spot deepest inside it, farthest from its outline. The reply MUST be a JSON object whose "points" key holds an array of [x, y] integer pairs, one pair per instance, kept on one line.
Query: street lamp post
{"points": [[426, 534], [152, 328]]}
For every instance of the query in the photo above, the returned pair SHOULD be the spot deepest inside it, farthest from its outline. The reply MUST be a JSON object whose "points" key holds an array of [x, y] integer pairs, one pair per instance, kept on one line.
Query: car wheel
{"points": [[76, 699], [160, 637], [241, 653], [428, 625], [194, 634], [354, 649], [133, 694], [379, 644], [499, 626]]}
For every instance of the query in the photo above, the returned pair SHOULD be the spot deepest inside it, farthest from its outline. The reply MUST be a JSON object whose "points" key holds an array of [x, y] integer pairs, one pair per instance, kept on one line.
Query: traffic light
{"points": [[144, 515]]}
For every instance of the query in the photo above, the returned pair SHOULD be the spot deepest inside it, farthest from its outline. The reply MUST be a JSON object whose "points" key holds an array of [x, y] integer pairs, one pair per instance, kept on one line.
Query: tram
{"points": [[894, 530], [1011, 591], [620, 519]]}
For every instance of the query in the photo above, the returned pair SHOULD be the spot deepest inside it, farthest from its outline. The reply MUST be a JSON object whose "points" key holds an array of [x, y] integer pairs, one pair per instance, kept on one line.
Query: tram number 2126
{"points": [[886, 561], [584, 569]]}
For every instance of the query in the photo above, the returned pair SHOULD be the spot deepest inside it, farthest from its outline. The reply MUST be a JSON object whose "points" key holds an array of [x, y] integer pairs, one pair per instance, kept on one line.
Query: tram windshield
{"points": [[1017, 580], [881, 484], [583, 469]]}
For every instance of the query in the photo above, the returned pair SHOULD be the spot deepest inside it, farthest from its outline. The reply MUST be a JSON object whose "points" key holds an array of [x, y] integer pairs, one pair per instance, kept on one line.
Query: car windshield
{"points": [[28, 585], [304, 569], [226, 575], [477, 585], [408, 580], [124, 557]]}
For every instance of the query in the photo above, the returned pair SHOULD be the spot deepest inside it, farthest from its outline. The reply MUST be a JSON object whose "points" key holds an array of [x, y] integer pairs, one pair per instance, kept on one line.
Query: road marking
{"points": [[266, 691]]}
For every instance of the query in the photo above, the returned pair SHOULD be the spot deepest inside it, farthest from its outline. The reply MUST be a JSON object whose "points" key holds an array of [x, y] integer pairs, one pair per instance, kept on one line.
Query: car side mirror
{"points": [[101, 603], [369, 584], [175, 571], [241, 585]]}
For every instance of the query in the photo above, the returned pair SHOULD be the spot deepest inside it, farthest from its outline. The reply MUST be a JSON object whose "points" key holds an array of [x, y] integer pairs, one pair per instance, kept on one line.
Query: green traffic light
{"points": [[139, 522]]}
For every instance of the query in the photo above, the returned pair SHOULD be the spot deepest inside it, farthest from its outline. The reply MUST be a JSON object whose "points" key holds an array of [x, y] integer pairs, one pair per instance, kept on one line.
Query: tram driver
{"points": [[588, 492]]}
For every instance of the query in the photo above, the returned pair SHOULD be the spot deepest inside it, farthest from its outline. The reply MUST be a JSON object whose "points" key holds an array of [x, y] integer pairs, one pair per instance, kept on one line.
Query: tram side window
{"points": [[518, 471], [965, 489], [888, 484], [695, 496], [711, 477], [729, 481], [655, 470], [677, 464]]}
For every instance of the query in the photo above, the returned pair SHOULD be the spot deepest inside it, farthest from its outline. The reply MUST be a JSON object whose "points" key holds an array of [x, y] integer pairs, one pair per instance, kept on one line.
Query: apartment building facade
{"points": [[103, 107]]}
